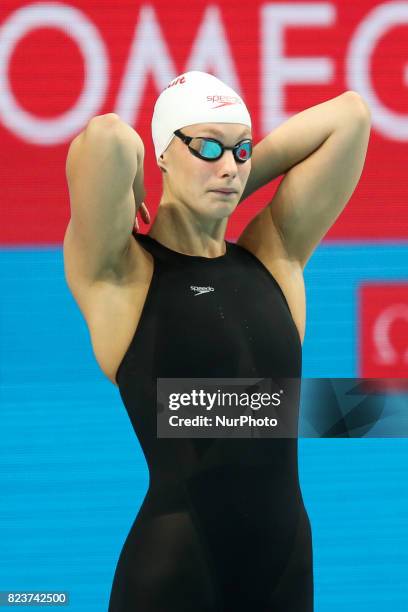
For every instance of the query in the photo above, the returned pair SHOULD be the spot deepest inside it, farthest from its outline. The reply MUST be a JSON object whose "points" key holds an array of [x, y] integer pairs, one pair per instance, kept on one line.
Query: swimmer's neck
{"points": [[189, 233]]}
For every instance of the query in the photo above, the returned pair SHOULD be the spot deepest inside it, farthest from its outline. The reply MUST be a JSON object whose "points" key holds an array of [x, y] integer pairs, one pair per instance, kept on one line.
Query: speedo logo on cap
{"points": [[224, 100]]}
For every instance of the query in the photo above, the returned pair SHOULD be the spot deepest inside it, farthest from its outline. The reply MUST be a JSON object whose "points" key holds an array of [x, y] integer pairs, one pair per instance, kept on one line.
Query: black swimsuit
{"points": [[223, 526]]}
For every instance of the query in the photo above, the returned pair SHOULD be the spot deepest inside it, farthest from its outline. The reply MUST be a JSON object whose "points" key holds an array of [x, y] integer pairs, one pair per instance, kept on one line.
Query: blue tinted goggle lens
{"points": [[210, 149]]}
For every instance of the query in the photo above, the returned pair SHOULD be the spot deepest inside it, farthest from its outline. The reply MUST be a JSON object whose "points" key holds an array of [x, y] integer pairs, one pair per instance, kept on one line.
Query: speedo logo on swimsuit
{"points": [[201, 290]]}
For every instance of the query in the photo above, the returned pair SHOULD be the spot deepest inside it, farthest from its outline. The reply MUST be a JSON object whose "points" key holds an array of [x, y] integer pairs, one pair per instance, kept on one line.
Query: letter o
{"points": [[75, 24]]}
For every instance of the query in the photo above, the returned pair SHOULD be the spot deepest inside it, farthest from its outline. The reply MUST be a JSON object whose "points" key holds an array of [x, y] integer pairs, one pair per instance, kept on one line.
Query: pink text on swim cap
{"points": [[178, 81], [231, 99]]}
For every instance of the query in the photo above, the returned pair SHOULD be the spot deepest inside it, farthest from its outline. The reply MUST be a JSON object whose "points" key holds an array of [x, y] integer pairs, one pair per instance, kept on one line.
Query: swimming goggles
{"points": [[211, 149]]}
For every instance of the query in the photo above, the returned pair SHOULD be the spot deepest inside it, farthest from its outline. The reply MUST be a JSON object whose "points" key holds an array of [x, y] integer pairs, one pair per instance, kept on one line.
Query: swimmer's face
{"points": [[191, 180]]}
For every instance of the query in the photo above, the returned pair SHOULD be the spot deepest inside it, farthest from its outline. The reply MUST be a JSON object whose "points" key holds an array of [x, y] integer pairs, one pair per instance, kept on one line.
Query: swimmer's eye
{"points": [[212, 149]]}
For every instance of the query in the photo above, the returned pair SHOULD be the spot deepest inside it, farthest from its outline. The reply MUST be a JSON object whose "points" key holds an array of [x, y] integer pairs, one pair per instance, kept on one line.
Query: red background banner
{"points": [[64, 63]]}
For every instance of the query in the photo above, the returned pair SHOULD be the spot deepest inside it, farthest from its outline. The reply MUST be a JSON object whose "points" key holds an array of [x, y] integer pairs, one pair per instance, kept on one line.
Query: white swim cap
{"points": [[194, 97]]}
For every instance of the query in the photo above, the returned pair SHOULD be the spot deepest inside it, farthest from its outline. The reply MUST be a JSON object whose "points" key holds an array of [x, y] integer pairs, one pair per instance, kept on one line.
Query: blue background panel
{"points": [[72, 474]]}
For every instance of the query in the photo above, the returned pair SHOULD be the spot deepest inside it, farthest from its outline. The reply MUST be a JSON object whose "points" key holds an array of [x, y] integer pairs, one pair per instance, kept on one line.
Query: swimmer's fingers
{"points": [[144, 213]]}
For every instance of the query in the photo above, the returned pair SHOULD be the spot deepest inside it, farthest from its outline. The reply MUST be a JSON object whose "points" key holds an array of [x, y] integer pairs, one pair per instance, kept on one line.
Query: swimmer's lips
{"points": [[223, 192]]}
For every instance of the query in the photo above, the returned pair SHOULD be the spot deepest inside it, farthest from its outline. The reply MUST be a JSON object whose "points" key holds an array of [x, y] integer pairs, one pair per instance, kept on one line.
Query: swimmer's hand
{"points": [[145, 216], [139, 189]]}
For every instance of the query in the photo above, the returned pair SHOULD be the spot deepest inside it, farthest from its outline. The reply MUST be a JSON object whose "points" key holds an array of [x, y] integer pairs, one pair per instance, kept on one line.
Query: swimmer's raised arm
{"points": [[104, 171]]}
